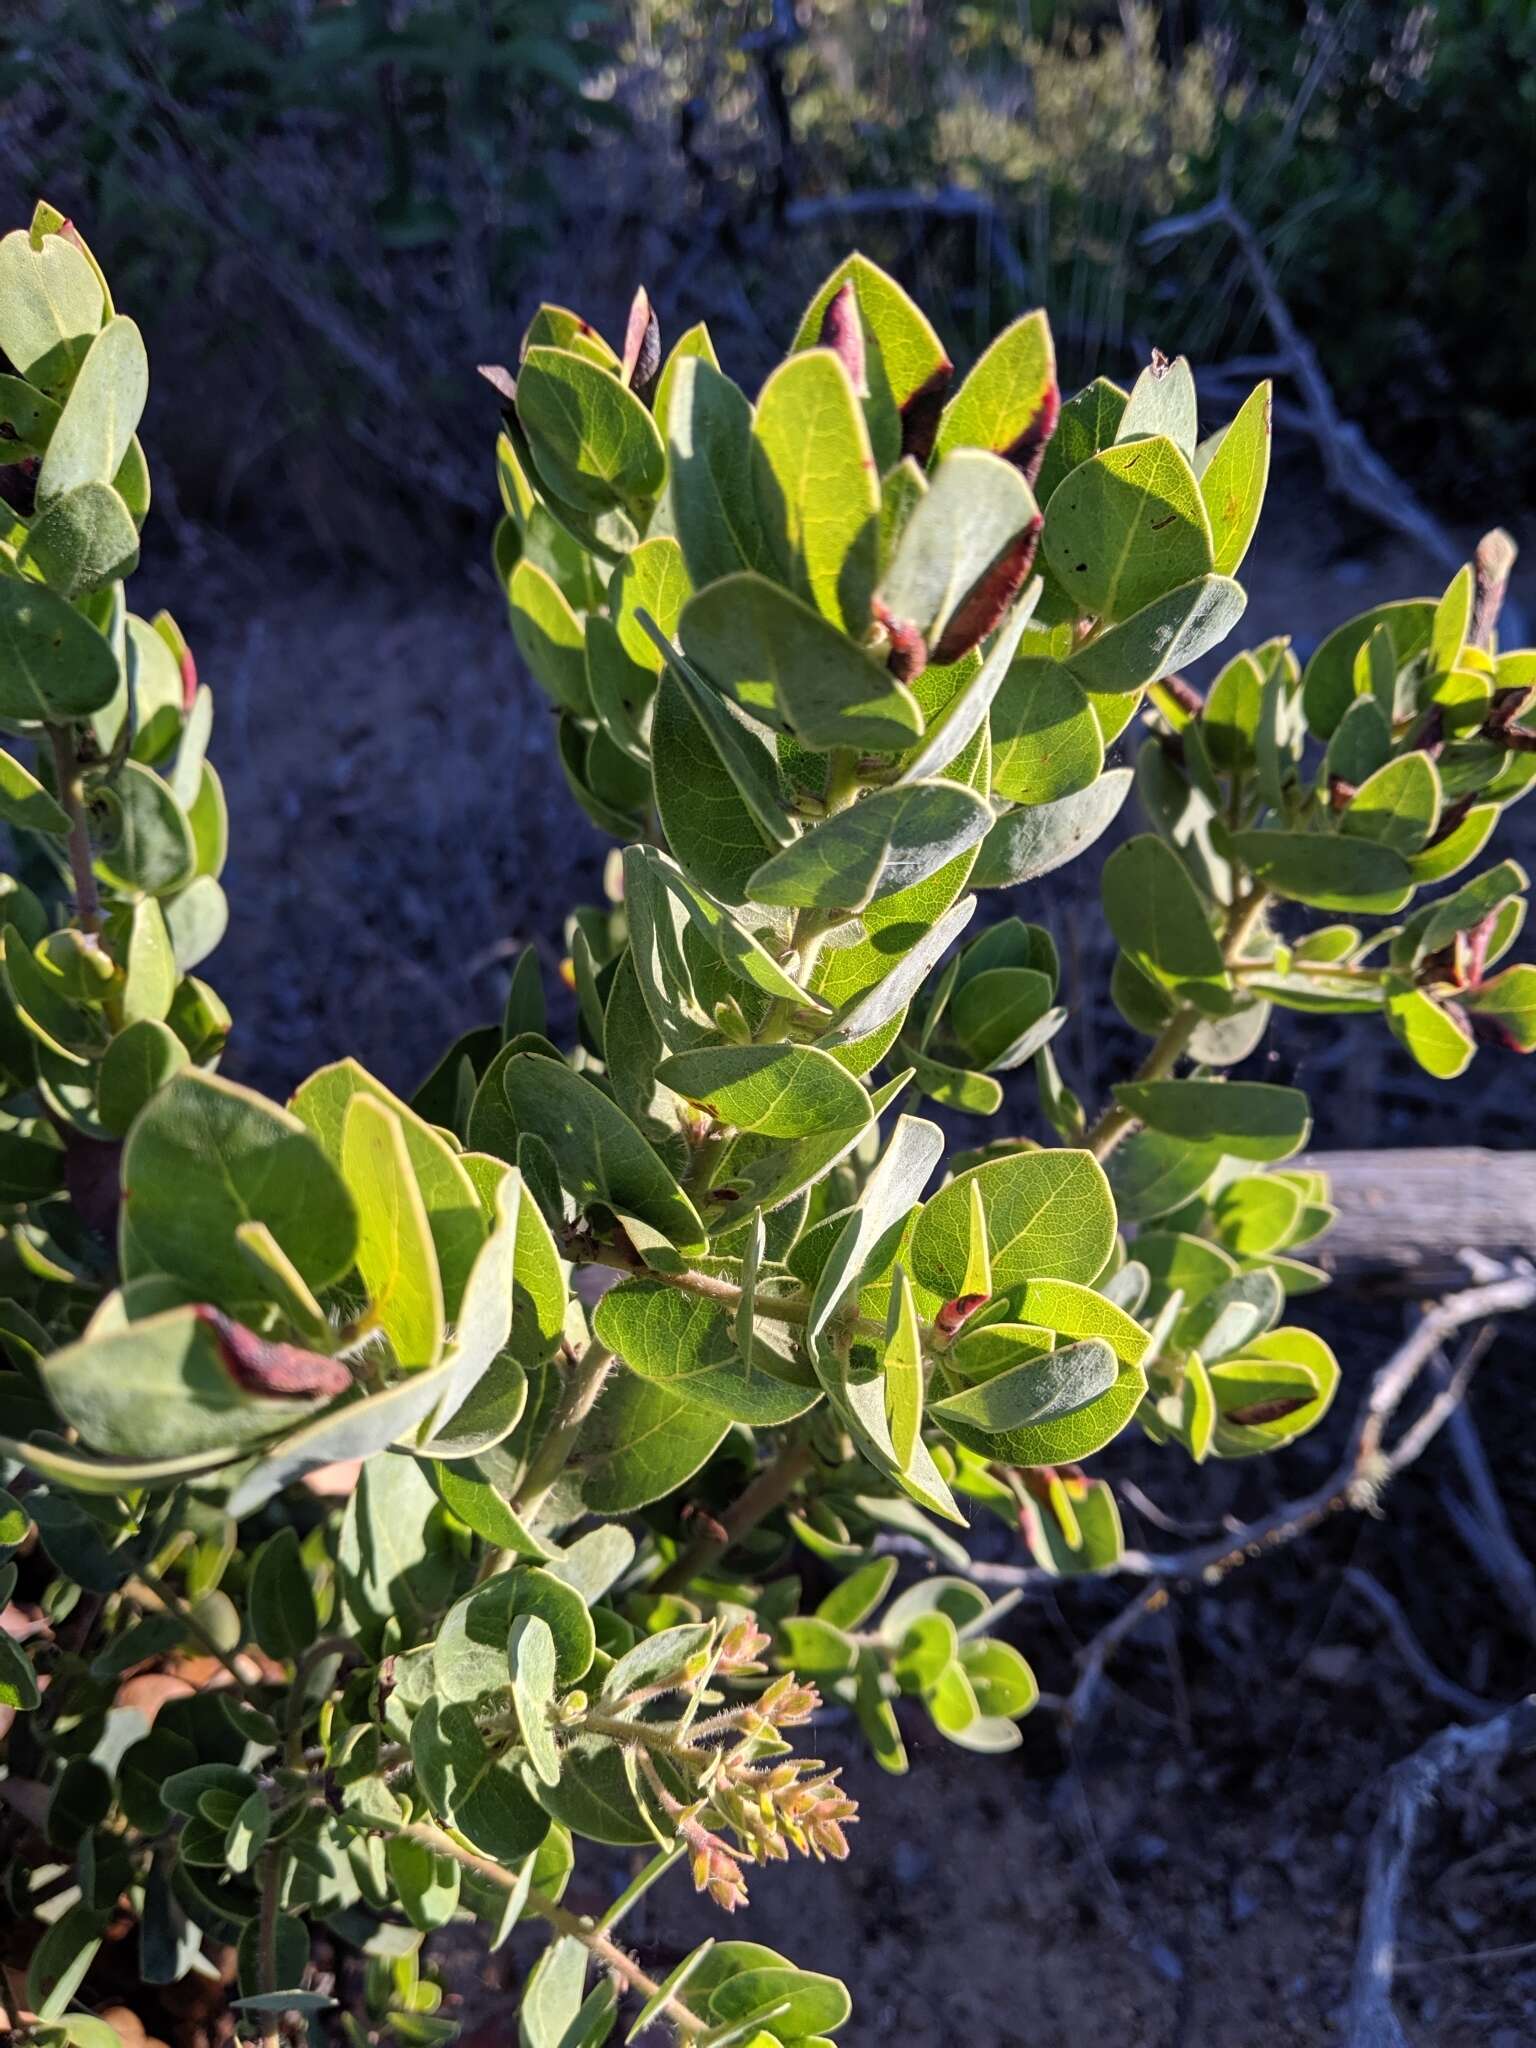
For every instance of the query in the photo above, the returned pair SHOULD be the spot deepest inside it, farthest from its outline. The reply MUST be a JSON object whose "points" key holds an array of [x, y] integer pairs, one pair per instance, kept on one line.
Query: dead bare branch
{"points": [[1411, 1784], [1413, 1652], [1351, 465]]}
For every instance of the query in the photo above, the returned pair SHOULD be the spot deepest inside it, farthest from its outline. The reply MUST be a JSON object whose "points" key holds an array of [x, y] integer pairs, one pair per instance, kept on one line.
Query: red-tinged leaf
{"points": [[954, 1313], [1028, 451], [920, 414], [276, 1369], [908, 654], [1265, 1411], [988, 600], [842, 331]]}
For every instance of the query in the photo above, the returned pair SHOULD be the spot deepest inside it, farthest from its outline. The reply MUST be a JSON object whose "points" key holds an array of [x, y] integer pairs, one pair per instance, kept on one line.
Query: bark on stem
{"points": [[72, 797]]}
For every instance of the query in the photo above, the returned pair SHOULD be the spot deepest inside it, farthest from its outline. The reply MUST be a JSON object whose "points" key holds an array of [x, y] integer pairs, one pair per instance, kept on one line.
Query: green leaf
{"points": [[1126, 527], [688, 1346], [280, 1602], [1231, 1315], [531, 1653], [854, 1599], [1048, 1213], [711, 826], [1160, 920], [1054, 1410], [148, 844], [1234, 479], [51, 307], [457, 1215], [18, 1681], [640, 1443], [1327, 871], [1077, 1312], [890, 840], [395, 1561], [1162, 401], [426, 1883], [1170, 632], [891, 994], [783, 1091], [395, 1255], [818, 494], [1005, 401], [977, 513], [1282, 1386], [205, 1156], [1025, 844], [748, 959], [793, 669], [902, 1363], [1088, 422], [1002, 1016], [1046, 743], [469, 1786], [1509, 999], [1328, 684], [84, 539], [746, 759], [885, 1202], [1001, 1680], [1398, 806], [92, 437], [1439, 1042], [1246, 1119], [1153, 1174], [549, 637], [25, 803], [150, 975], [1256, 1213], [53, 662], [600, 1154], [709, 456], [595, 443]]}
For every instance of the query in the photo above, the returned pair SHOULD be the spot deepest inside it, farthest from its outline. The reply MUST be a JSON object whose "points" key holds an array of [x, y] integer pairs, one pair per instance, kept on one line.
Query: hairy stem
{"points": [[153, 1593], [266, 1951], [770, 1489], [583, 1384], [72, 797], [589, 1933]]}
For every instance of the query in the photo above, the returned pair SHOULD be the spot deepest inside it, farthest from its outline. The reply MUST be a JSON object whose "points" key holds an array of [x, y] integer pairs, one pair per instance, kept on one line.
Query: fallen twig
{"points": [[1413, 1652], [1484, 1526], [1411, 1784]]}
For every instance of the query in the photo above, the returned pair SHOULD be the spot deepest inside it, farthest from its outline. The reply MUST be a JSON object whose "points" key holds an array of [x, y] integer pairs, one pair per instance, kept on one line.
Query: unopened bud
{"points": [[642, 347]]}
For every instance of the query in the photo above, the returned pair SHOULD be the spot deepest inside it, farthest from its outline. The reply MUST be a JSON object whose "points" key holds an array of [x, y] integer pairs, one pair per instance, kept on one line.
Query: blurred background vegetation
{"points": [[326, 211]]}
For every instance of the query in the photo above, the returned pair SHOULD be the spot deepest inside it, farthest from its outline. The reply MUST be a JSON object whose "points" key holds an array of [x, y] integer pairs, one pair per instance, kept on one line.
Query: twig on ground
{"points": [[1411, 1784], [1413, 1652], [1484, 1526]]}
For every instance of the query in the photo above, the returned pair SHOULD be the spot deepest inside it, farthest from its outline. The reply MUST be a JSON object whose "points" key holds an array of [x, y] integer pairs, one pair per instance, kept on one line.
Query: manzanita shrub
{"points": [[411, 1501]]}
